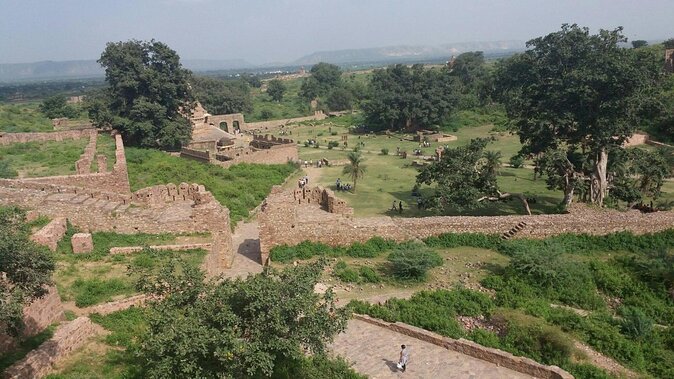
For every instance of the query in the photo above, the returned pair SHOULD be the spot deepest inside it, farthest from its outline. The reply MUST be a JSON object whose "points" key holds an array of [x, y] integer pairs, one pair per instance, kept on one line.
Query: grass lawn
{"points": [[37, 159], [23, 117], [240, 188], [105, 145], [99, 277], [289, 107]]}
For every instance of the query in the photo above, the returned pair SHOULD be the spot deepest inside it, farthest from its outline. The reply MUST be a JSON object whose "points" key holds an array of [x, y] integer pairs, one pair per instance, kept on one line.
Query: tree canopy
{"points": [[576, 92], [27, 268], [407, 98], [220, 96], [235, 328], [57, 106], [148, 96], [276, 89]]}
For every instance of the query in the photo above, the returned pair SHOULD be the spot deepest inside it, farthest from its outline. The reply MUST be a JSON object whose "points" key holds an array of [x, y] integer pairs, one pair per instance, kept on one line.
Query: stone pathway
{"points": [[246, 245], [374, 352]]}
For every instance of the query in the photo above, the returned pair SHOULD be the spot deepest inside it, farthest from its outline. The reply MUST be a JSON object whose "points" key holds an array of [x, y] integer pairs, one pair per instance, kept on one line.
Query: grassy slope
{"points": [[240, 188], [35, 159]]}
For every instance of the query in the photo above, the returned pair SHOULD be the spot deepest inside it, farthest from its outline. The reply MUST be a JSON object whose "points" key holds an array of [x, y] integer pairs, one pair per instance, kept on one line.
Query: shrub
{"points": [[384, 151], [368, 275], [347, 275], [635, 323], [448, 240], [411, 261], [516, 161], [266, 114], [333, 144]]}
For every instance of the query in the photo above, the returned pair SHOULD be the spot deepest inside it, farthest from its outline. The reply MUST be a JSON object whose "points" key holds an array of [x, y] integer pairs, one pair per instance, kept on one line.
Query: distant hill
{"points": [[407, 53], [50, 70]]}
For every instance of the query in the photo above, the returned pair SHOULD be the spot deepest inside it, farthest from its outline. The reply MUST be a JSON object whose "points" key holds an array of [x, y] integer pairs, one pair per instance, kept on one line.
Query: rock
{"points": [[82, 243]]}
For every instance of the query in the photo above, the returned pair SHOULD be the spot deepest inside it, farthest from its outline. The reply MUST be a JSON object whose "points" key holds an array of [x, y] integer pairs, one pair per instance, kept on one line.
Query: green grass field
{"points": [[240, 188], [36, 159], [23, 117]]}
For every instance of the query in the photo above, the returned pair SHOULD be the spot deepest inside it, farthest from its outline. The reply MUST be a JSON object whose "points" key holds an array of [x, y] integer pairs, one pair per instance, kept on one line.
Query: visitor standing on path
{"points": [[400, 207], [404, 357]]}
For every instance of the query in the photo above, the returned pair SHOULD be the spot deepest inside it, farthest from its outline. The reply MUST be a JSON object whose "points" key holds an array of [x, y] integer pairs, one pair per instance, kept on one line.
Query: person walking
{"points": [[400, 207], [404, 358]]}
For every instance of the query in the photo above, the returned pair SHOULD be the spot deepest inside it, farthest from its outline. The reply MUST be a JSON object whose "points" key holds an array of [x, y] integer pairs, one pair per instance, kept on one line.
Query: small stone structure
{"points": [[470, 348], [68, 337], [669, 60], [51, 234], [82, 243], [262, 149]]}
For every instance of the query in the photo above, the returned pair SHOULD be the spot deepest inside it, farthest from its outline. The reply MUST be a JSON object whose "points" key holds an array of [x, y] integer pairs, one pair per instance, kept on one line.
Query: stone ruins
{"points": [[669, 60]]}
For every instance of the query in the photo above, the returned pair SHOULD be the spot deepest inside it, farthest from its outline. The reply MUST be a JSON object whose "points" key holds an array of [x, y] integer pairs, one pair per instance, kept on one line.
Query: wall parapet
{"points": [[11, 138], [472, 349]]}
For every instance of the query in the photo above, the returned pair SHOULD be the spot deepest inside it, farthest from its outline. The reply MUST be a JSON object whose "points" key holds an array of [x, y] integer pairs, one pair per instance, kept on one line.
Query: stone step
{"points": [[79, 199], [111, 206]]}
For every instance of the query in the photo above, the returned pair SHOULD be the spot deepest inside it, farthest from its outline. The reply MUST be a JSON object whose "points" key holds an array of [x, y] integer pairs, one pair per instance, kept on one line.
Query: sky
{"points": [[284, 30]]}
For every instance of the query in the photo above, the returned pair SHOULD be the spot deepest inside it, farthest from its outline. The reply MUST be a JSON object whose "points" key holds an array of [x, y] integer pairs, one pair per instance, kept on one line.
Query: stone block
{"points": [[82, 243]]}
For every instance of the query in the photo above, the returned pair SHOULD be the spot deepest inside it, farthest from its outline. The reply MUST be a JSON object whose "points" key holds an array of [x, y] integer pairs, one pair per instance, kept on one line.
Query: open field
{"points": [[25, 117], [35, 159]]}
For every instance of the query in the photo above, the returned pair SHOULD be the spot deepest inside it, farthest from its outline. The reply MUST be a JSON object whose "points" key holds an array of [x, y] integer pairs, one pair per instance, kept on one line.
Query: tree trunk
{"points": [[599, 183]]}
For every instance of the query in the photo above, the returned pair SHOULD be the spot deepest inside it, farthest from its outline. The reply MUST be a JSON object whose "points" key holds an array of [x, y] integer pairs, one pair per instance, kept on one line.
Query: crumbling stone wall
{"points": [[277, 154], [116, 180], [273, 124], [160, 209], [267, 141], [11, 138], [68, 337], [65, 123], [37, 316], [285, 220], [198, 155], [83, 165], [51, 233], [324, 197]]}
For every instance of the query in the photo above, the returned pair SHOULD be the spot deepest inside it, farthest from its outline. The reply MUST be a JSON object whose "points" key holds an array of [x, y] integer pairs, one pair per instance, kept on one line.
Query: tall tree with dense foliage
{"points": [[26, 269], [355, 168], [407, 98], [325, 77], [573, 91], [57, 106], [340, 99], [464, 179], [220, 96], [235, 328], [148, 94], [276, 89]]}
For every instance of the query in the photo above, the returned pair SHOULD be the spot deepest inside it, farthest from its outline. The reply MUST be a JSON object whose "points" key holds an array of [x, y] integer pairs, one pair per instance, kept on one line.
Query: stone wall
{"points": [[324, 197], [278, 154], [267, 141], [136, 249], [273, 124], [116, 180], [160, 209], [83, 165], [10, 138], [285, 220], [114, 306], [472, 349], [67, 338], [37, 316], [51, 233], [198, 155]]}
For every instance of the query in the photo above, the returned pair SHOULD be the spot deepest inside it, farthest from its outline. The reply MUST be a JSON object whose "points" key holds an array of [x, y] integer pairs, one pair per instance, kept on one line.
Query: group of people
{"points": [[397, 207], [303, 181], [342, 186]]}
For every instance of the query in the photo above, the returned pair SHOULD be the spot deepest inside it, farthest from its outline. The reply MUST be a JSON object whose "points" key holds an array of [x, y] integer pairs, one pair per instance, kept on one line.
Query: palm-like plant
{"points": [[492, 161], [355, 168]]}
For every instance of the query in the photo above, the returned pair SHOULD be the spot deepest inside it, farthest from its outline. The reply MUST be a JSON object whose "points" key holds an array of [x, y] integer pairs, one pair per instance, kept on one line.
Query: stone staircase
{"points": [[511, 233], [108, 206]]}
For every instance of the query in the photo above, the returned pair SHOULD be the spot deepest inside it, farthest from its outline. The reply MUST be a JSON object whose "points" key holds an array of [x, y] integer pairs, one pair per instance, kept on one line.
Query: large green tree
{"points": [[148, 94], [464, 179], [220, 96], [57, 106], [576, 92], [407, 98], [325, 77], [235, 328], [276, 89], [26, 268]]}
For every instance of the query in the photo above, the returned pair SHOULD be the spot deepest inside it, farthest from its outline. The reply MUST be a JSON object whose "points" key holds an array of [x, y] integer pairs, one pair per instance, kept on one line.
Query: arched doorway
{"points": [[223, 126], [235, 125]]}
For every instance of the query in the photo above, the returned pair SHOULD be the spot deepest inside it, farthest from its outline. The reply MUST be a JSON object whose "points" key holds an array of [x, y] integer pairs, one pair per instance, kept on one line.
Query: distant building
{"points": [[450, 62], [75, 99], [669, 60]]}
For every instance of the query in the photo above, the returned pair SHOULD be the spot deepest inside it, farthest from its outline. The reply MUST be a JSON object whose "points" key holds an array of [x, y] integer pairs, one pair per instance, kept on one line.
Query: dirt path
{"points": [[246, 245]]}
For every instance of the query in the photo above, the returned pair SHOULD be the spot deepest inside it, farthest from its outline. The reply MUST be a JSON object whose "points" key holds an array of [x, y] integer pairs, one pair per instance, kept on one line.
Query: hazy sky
{"points": [[283, 30]]}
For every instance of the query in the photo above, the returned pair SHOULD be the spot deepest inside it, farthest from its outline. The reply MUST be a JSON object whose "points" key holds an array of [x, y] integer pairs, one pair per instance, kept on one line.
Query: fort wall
{"points": [[286, 220], [273, 124], [51, 234], [11, 138], [278, 154]]}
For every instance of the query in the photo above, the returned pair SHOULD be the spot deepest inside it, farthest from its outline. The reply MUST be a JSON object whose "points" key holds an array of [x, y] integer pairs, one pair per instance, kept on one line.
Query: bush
{"points": [[333, 144], [448, 240], [347, 275], [266, 114], [411, 261], [384, 151], [368, 275], [516, 161], [635, 323]]}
